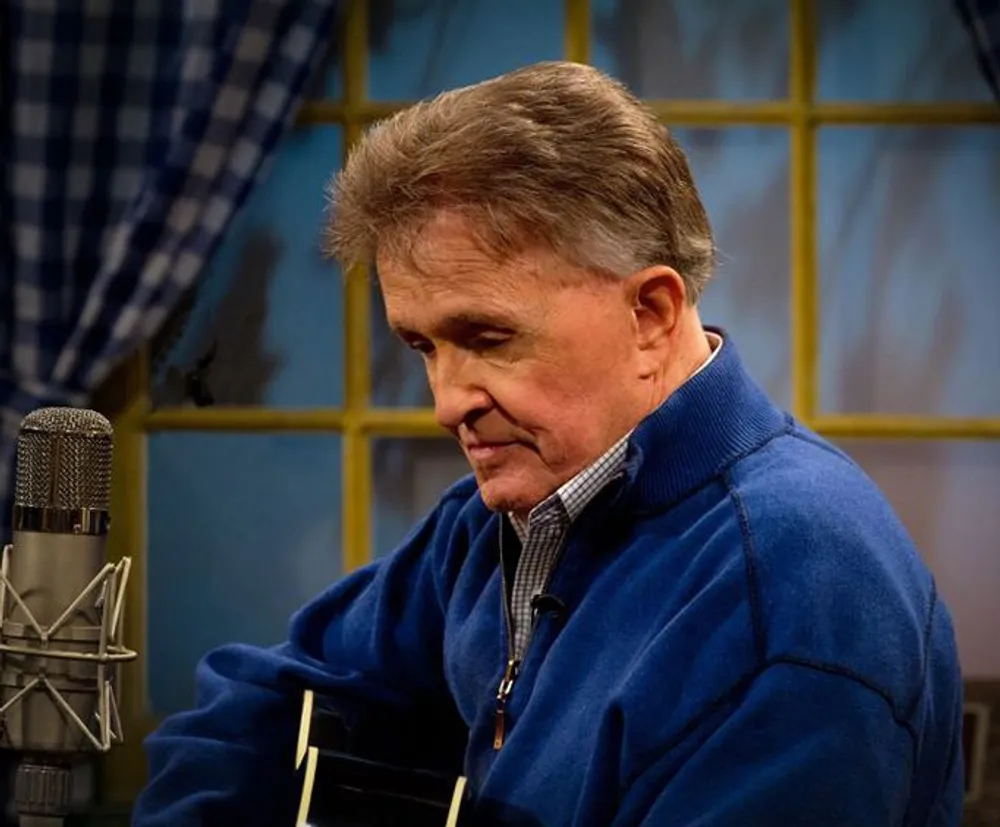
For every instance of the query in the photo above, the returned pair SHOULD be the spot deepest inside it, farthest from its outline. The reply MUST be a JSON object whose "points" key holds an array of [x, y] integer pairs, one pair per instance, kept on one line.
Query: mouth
{"points": [[479, 451]]}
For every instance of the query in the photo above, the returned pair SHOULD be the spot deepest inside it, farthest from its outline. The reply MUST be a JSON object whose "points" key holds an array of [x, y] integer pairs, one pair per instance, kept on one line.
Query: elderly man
{"points": [[660, 600]]}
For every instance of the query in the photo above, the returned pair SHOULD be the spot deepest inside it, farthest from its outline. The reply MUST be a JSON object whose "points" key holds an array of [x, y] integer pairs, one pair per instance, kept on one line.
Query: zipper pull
{"points": [[503, 692]]}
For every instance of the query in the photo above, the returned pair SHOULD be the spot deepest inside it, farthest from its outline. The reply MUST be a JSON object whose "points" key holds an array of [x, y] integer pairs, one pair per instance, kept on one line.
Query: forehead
{"points": [[447, 272]]}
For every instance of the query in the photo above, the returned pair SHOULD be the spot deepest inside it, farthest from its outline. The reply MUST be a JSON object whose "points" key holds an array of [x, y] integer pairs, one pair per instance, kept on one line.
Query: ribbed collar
{"points": [[714, 418]]}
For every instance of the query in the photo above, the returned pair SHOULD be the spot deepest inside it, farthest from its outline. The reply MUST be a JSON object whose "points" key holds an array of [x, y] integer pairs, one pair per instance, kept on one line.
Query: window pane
{"points": [[264, 323], [946, 495], [243, 529], [419, 49], [409, 477], [692, 49], [885, 50], [743, 178], [908, 251]]}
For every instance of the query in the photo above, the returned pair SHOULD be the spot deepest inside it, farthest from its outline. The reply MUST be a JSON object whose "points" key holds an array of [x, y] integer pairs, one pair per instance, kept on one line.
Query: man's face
{"points": [[532, 373]]}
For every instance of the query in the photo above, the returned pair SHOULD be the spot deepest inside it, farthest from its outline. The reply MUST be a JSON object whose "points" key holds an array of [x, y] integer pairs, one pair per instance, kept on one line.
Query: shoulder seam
{"points": [[925, 666], [801, 436], [750, 561], [720, 473]]}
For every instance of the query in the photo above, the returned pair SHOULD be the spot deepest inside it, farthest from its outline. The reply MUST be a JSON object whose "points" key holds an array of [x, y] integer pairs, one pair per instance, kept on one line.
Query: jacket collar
{"points": [[718, 416]]}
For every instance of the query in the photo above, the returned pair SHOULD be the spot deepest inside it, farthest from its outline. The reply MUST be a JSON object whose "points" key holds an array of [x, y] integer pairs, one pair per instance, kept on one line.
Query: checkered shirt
{"points": [[982, 20], [543, 534], [132, 134]]}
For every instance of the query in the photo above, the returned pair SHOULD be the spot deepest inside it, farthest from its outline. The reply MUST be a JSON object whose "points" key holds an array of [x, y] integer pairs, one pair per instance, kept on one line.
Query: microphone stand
{"points": [[52, 678], [43, 792]]}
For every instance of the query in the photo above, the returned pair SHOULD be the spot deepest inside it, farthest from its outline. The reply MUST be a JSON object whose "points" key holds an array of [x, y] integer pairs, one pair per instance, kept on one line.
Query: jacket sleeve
{"points": [[372, 642], [802, 747]]}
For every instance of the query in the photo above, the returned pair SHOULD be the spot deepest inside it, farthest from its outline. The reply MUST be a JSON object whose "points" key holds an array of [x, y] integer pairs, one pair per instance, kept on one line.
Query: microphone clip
{"points": [[544, 603]]}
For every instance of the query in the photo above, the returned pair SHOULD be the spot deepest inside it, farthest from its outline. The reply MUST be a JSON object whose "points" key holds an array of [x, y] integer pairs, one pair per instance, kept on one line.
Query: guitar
{"points": [[340, 789]]}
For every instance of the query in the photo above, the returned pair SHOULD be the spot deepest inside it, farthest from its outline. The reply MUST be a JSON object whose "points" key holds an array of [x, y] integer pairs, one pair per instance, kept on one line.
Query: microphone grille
{"points": [[64, 459]]}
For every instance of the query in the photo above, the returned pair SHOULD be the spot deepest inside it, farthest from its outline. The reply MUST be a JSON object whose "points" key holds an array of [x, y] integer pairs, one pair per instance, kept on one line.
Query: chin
{"points": [[506, 495]]}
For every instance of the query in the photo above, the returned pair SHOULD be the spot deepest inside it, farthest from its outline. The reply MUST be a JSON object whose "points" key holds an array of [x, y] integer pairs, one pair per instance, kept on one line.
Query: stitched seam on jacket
{"points": [[731, 696], [723, 468], [750, 561]]}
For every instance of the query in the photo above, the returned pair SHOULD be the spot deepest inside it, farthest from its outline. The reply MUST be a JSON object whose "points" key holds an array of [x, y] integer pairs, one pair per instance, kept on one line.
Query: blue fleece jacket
{"points": [[749, 638]]}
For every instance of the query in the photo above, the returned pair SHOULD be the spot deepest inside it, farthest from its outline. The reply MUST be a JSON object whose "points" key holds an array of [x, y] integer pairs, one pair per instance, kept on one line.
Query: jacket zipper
{"points": [[513, 664], [510, 672], [506, 687]]}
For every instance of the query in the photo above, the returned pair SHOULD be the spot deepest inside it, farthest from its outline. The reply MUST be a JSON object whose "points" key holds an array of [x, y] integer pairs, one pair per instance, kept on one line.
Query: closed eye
{"points": [[489, 341], [470, 333], [476, 344], [420, 345]]}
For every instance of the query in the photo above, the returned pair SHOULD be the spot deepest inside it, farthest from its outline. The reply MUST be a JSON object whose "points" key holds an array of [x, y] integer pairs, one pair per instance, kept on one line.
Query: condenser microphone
{"points": [[61, 607]]}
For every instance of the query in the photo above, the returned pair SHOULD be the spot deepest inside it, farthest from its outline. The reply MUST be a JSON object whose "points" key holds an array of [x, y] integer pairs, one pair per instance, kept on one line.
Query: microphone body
{"points": [[60, 609], [49, 571]]}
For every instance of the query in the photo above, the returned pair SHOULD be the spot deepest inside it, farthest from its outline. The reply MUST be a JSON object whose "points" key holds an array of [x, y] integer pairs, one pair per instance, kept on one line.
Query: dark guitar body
{"points": [[351, 792], [343, 789]]}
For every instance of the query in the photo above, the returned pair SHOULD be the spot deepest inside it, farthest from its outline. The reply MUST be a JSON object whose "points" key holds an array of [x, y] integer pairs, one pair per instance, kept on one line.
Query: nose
{"points": [[458, 392]]}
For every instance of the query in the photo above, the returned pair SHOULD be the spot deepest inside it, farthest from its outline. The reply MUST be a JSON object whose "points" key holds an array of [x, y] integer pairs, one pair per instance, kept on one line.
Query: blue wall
{"points": [[244, 528]]}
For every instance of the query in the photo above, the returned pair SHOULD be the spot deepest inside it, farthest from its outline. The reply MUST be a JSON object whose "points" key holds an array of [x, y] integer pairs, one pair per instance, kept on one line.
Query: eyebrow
{"points": [[461, 325]]}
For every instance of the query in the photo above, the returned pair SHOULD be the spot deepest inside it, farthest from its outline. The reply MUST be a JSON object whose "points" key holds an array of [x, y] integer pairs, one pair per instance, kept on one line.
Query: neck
{"points": [[689, 352]]}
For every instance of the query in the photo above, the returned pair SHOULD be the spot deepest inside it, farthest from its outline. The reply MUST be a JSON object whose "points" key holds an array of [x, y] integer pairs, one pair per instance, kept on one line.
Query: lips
{"points": [[486, 450]]}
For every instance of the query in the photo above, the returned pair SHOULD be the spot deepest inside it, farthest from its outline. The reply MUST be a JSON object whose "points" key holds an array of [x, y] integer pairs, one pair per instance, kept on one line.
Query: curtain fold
{"points": [[982, 21], [130, 135]]}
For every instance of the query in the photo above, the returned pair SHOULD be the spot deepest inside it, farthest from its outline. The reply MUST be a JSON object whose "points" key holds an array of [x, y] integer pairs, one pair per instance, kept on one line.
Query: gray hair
{"points": [[556, 153]]}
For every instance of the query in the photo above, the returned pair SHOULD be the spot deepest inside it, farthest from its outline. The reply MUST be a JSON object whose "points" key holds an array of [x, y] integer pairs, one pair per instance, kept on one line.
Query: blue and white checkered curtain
{"points": [[130, 133], [982, 20]]}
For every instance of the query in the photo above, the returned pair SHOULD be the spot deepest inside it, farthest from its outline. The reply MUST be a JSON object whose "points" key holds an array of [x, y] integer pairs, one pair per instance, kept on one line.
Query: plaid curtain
{"points": [[982, 20], [130, 133]]}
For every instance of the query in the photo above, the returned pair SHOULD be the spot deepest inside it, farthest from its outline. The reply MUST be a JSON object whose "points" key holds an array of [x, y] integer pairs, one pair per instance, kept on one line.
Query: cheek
{"points": [[564, 407]]}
